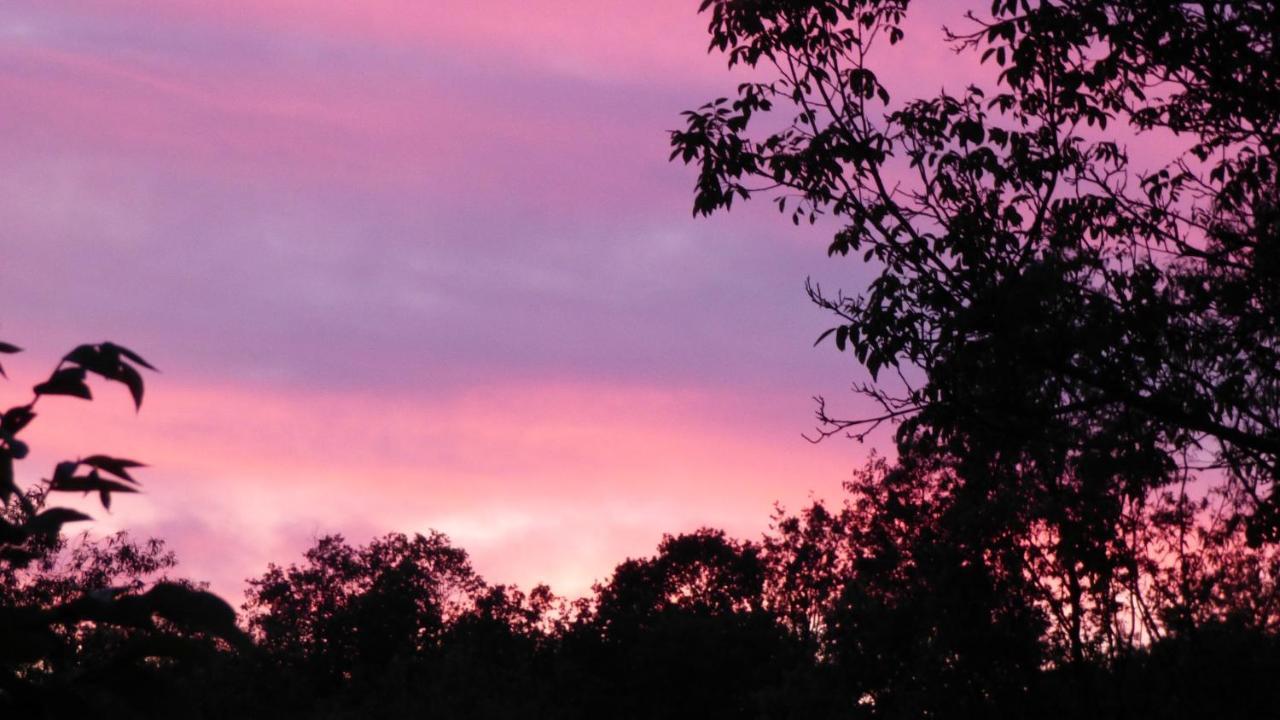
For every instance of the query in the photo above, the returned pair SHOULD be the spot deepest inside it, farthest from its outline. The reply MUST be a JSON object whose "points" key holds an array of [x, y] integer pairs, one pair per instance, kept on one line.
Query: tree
{"points": [[401, 627], [1093, 338], [348, 612], [688, 633], [79, 628], [937, 615]]}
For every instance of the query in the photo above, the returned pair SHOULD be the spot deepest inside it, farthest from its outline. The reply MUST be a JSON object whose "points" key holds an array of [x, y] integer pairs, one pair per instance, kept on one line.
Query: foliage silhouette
{"points": [[897, 620], [1090, 336], [352, 610], [79, 629], [1080, 355], [890, 618]]}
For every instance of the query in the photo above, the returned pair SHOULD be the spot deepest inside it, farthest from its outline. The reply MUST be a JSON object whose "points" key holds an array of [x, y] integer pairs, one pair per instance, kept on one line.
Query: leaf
{"points": [[93, 482], [135, 357], [133, 379], [114, 466], [82, 354], [9, 349], [16, 419], [67, 381], [50, 521], [194, 610], [105, 360], [63, 471]]}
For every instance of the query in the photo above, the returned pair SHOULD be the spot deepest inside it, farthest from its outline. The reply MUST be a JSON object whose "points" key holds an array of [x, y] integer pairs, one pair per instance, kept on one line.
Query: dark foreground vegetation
{"points": [[905, 601], [1081, 359], [864, 611]]}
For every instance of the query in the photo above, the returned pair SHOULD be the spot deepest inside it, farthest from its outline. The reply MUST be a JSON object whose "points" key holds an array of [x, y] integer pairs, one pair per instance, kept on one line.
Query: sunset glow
{"points": [[579, 359], [407, 265]]}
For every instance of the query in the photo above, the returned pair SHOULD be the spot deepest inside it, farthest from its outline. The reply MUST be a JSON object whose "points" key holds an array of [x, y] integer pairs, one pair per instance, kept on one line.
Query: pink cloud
{"points": [[296, 127], [612, 39], [555, 482], [416, 264]]}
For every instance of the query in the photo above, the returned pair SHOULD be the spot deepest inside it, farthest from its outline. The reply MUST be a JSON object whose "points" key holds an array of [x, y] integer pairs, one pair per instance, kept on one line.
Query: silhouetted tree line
{"points": [[1080, 357], [860, 611], [910, 599]]}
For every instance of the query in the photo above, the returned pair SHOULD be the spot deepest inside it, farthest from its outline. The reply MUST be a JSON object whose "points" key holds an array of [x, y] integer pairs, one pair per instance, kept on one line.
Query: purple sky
{"points": [[410, 264]]}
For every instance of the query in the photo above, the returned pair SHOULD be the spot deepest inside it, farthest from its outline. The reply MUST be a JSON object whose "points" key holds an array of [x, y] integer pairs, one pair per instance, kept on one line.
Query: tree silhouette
{"points": [[690, 633], [352, 609], [78, 631], [1081, 357], [1080, 354], [1090, 336]]}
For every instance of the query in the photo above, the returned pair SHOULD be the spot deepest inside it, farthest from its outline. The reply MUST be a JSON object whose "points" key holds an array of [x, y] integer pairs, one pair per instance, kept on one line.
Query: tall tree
{"points": [[1076, 339]]}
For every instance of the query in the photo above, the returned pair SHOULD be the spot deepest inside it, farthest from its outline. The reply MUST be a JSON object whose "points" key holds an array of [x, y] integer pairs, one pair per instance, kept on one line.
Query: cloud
{"points": [[405, 265], [540, 483]]}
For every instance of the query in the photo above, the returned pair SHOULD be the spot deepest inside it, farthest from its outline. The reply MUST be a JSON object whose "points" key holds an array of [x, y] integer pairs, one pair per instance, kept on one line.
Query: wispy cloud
{"points": [[409, 264]]}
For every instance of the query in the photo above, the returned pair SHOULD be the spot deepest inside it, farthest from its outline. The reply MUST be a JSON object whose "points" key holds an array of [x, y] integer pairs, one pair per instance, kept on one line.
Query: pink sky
{"points": [[409, 265]]}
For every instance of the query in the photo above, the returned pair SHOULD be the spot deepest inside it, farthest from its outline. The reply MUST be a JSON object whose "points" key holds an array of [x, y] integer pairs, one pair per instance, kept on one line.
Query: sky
{"points": [[410, 264]]}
